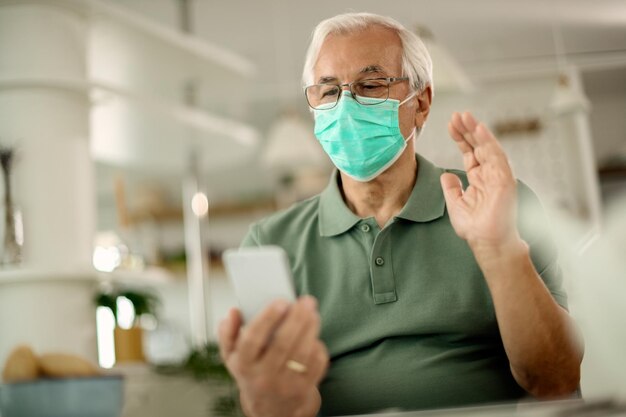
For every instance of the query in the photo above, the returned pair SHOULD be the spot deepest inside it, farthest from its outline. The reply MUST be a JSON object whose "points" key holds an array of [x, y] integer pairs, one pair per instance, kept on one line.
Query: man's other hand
{"points": [[484, 214]]}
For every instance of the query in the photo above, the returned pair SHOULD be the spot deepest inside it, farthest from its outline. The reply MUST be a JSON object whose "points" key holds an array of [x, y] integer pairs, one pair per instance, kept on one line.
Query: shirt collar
{"points": [[425, 203], [335, 216]]}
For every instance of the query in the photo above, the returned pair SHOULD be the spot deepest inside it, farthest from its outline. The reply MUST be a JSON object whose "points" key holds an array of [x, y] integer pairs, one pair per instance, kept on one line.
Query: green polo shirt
{"points": [[406, 313]]}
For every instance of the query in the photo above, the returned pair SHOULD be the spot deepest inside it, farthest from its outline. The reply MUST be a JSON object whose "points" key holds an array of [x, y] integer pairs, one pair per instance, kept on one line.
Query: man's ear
{"points": [[423, 106]]}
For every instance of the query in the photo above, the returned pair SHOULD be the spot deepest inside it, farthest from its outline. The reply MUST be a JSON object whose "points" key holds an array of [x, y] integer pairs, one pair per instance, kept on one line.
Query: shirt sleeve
{"points": [[534, 227], [251, 239]]}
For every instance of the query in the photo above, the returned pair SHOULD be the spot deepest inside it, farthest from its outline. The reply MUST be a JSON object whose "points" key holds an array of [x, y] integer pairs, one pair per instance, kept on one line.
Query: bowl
{"points": [[100, 396]]}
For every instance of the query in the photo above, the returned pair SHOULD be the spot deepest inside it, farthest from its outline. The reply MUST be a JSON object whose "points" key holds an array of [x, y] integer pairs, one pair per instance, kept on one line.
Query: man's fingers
{"points": [[317, 362], [464, 124], [458, 137], [228, 332], [475, 179], [491, 153], [457, 123], [301, 318], [469, 160], [469, 122], [484, 135], [452, 189], [474, 136], [304, 345], [255, 336]]}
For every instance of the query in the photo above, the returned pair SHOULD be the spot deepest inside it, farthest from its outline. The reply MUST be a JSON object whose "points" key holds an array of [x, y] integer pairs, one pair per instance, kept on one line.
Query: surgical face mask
{"points": [[361, 140]]}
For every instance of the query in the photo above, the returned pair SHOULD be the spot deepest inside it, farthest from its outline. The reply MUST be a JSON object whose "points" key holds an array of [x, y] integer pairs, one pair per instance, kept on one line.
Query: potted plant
{"points": [[128, 336]]}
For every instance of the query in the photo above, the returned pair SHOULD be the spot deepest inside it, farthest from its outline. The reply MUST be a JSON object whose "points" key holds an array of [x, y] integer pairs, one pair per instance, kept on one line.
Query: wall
{"points": [[607, 91]]}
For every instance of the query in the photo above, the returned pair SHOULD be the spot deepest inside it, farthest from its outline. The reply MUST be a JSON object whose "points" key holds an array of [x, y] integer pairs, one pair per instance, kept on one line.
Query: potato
{"points": [[21, 365], [59, 365]]}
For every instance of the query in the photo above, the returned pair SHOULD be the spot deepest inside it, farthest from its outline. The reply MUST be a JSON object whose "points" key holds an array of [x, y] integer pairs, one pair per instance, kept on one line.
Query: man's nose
{"points": [[345, 87]]}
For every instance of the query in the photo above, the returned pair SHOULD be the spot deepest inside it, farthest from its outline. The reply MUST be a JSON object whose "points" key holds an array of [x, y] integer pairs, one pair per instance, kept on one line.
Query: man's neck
{"points": [[385, 196]]}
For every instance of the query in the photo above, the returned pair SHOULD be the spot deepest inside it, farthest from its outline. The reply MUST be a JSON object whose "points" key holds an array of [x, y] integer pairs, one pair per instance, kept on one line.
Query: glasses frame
{"points": [[390, 80]]}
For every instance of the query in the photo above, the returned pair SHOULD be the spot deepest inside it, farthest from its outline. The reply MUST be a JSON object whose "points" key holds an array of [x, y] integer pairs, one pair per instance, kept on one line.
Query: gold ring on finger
{"points": [[296, 366]]}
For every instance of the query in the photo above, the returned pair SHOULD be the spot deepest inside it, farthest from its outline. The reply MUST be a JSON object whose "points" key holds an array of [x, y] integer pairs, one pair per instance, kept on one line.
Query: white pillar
{"points": [[197, 268], [46, 301]]}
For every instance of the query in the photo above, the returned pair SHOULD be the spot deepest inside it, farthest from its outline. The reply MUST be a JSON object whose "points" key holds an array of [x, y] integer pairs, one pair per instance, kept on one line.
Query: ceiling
{"points": [[487, 37], [274, 33]]}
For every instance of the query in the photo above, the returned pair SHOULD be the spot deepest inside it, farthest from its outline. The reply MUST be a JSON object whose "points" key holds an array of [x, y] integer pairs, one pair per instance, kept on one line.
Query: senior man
{"points": [[421, 287]]}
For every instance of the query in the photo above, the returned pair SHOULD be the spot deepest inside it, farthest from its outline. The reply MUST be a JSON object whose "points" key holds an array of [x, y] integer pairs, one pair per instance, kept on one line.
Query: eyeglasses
{"points": [[326, 96]]}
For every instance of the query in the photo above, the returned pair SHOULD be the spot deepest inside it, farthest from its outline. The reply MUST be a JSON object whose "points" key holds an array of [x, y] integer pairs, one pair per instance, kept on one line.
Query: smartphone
{"points": [[259, 276]]}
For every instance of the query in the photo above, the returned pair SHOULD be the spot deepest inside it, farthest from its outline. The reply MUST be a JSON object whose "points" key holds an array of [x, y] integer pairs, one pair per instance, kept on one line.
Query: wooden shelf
{"points": [[153, 276], [615, 173], [220, 210]]}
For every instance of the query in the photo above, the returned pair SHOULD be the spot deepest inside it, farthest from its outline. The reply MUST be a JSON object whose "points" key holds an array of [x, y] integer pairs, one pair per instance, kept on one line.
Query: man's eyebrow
{"points": [[372, 68], [365, 70], [327, 79]]}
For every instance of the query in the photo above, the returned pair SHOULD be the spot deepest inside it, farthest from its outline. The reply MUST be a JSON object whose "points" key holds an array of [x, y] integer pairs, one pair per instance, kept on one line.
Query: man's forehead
{"points": [[374, 50]]}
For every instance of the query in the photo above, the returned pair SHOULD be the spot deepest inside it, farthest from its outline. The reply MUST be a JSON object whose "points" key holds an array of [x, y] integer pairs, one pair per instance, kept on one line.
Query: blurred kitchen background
{"points": [[140, 138]]}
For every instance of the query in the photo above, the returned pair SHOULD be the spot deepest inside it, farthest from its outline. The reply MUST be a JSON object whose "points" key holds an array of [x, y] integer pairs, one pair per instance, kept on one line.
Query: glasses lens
{"points": [[322, 95], [375, 90]]}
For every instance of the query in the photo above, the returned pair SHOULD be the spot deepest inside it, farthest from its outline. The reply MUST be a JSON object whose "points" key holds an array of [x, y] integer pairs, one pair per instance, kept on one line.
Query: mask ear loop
{"points": [[409, 97], [411, 136]]}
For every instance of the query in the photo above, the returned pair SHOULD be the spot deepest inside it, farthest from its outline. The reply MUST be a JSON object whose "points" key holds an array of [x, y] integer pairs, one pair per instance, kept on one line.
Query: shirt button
{"points": [[365, 227], [380, 261]]}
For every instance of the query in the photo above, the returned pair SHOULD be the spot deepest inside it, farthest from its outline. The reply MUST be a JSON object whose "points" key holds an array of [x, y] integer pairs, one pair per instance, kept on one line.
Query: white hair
{"points": [[416, 62]]}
